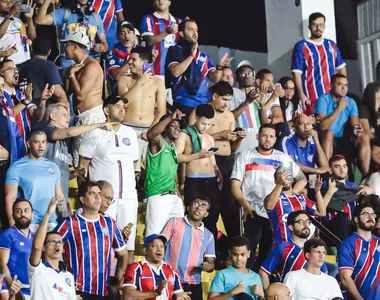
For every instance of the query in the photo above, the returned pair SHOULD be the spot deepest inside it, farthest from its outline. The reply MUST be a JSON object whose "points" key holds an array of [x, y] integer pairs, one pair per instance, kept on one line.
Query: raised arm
{"points": [[299, 182], [178, 68], [14, 10], [271, 200], [43, 17], [64, 133]]}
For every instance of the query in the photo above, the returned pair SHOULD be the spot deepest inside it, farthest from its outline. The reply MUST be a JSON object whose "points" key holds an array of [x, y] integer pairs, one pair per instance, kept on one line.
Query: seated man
{"points": [[289, 256], [188, 257], [308, 282], [334, 110], [237, 278], [304, 147], [278, 291], [152, 277], [282, 201]]}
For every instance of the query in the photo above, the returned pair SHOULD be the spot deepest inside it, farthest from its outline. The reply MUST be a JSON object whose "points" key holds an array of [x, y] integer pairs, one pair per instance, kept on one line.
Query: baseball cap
{"points": [[245, 63], [127, 24], [154, 236], [113, 99], [77, 37]]}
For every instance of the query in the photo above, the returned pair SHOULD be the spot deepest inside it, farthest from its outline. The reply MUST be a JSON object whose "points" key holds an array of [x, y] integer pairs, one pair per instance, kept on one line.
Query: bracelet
{"points": [[9, 17], [71, 76], [219, 68], [23, 102]]}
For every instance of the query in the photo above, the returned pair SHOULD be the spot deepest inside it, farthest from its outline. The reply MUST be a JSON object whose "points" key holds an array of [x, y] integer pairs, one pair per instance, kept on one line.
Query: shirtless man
{"points": [[146, 95], [202, 175], [84, 80]]}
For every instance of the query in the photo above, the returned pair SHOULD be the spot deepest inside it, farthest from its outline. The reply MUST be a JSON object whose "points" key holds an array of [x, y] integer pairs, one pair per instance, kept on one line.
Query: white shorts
{"points": [[94, 115], [159, 210], [124, 211]]}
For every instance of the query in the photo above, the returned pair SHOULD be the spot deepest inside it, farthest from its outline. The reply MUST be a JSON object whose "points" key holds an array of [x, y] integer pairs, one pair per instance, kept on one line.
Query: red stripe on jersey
{"points": [[97, 4], [94, 258], [368, 263], [310, 87], [109, 16], [324, 68], [300, 262], [79, 250], [254, 167], [280, 223], [106, 248]]}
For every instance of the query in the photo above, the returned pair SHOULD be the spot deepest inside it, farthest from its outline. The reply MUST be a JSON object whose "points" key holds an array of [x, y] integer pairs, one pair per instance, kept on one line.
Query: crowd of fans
{"points": [[146, 116]]}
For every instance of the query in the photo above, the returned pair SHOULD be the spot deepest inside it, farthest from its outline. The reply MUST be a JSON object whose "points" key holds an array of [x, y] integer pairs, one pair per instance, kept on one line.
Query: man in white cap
{"points": [[84, 80]]}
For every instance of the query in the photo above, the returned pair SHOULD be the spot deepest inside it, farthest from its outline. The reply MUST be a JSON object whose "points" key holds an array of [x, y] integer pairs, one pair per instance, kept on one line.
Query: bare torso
{"points": [[204, 165], [94, 97], [222, 121]]}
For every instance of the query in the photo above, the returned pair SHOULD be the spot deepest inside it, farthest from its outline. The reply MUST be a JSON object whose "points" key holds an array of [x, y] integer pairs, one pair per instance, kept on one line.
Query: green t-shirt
{"points": [[161, 170]]}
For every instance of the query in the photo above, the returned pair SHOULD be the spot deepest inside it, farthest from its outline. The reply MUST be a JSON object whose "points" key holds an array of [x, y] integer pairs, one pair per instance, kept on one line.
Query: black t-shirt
{"points": [[374, 123]]}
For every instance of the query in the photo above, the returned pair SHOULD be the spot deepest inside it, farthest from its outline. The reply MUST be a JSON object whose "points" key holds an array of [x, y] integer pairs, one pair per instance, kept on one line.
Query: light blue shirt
{"points": [[326, 105], [227, 279], [37, 179]]}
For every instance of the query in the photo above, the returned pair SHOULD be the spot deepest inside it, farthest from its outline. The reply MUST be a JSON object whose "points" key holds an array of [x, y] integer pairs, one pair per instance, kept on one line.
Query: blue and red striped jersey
{"points": [[317, 63], [88, 245], [278, 216], [145, 277], [153, 25], [363, 258], [285, 258]]}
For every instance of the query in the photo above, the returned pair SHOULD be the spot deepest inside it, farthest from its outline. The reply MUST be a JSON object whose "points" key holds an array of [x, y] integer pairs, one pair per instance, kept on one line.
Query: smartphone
{"points": [[214, 149], [147, 68], [288, 167], [238, 129]]}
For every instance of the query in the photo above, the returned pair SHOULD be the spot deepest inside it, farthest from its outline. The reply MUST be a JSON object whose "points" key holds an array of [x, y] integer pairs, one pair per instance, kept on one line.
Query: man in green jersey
{"points": [[161, 172]]}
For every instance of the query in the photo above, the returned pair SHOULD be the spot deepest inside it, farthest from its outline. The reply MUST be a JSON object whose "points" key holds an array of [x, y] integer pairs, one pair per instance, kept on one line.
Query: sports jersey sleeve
{"points": [[353, 108], [177, 283], [272, 261], [238, 170], [57, 173], [5, 241], [169, 228], [339, 62], [118, 6], [88, 145], [63, 229], [37, 271], [118, 243], [58, 16], [210, 249], [311, 207], [218, 283], [12, 176], [346, 256], [51, 74], [321, 105], [173, 56], [147, 25], [50, 130], [132, 276], [298, 59]]}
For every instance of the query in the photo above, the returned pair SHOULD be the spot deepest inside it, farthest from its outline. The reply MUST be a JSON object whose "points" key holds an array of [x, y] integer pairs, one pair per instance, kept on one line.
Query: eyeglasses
{"points": [[199, 206], [303, 222], [53, 243], [369, 215], [247, 74], [13, 69]]}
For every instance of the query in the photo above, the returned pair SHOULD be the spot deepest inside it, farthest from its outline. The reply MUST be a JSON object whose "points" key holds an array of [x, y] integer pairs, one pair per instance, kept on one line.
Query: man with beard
{"points": [[23, 173], [253, 179], [310, 281], [282, 201], [162, 164], [152, 277], [186, 255], [16, 245], [112, 156], [289, 256], [359, 257], [189, 70], [314, 62], [335, 109], [304, 147]]}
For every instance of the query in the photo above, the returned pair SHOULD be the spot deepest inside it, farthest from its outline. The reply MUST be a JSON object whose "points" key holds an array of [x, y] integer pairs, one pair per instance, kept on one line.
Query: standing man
{"points": [[23, 173], [112, 156], [310, 281], [48, 278], [335, 109], [359, 258], [146, 95], [152, 278], [16, 245], [191, 246], [91, 247], [315, 61], [237, 276], [160, 31], [289, 256], [189, 70], [253, 179]]}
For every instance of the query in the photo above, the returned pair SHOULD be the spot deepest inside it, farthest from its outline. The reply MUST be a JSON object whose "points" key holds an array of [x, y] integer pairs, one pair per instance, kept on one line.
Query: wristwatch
{"points": [[71, 76], [23, 102], [9, 17]]}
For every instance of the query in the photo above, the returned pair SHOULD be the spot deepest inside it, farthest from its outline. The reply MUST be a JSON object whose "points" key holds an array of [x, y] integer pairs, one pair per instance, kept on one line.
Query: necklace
{"points": [[83, 59]]}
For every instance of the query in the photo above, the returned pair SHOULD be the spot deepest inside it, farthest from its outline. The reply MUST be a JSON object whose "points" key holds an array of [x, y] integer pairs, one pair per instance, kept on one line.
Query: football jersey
{"points": [[145, 277], [317, 62], [278, 216], [256, 173], [363, 258], [112, 156], [285, 258], [88, 245], [153, 25]]}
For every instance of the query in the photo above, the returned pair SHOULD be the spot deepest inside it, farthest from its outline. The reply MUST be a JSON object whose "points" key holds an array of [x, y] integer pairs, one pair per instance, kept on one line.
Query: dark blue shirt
{"points": [[305, 155]]}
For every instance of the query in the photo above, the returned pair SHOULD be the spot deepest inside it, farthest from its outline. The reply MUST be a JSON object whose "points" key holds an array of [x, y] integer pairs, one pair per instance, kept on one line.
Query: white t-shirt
{"points": [[290, 110], [256, 173], [306, 286], [112, 157], [49, 284], [12, 38]]}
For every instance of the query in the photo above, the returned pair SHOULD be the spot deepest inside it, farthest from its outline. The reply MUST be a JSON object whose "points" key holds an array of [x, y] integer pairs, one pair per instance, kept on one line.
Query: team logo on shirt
{"points": [[171, 280], [310, 157], [126, 141], [51, 171], [105, 231], [59, 288], [276, 165], [68, 281], [112, 62]]}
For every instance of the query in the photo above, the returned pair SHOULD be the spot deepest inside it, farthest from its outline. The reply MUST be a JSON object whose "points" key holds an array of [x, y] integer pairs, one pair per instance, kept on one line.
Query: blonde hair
{"points": [[53, 109]]}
